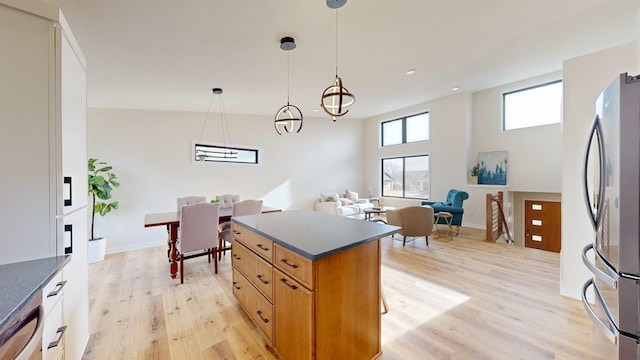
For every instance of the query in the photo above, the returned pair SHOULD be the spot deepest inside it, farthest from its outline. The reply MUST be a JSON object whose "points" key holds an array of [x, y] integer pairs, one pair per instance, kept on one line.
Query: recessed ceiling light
{"points": [[455, 88], [368, 114], [411, 71], [316, 110]]}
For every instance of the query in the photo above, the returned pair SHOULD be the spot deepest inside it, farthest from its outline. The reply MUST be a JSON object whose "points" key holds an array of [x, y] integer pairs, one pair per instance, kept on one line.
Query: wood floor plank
{"points": [[463, 299]]}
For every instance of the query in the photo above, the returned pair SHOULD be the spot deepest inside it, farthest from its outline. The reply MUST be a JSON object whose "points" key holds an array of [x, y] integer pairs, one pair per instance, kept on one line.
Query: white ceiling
{"points": [[168, 54]]}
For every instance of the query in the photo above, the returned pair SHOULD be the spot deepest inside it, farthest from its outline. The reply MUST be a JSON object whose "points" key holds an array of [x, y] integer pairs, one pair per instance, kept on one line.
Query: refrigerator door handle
{"points": [[593, 209], [610, 277], [610, 331]]}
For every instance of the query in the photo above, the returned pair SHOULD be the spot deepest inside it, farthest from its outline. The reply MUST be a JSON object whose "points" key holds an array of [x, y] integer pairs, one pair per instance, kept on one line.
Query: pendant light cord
{"points": [[226, 137], [336, 42], [287, 78], [204, 124]]}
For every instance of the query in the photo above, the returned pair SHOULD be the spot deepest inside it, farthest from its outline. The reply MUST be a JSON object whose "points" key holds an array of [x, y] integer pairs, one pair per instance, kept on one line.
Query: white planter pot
{"points": [[96, 250]]}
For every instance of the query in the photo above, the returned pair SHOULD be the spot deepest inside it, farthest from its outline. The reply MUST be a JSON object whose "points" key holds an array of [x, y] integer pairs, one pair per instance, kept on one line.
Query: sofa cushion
{"points": [[332, 197], [351, 195], [346, 201]]}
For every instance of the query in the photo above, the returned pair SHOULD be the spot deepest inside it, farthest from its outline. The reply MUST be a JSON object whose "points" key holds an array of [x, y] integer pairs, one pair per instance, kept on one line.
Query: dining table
{"points": [[172, 221]]}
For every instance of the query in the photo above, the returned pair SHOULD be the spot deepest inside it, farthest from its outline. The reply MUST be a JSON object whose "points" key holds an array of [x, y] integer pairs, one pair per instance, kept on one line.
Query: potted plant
{"points": [[475, 171], [101, 182]]}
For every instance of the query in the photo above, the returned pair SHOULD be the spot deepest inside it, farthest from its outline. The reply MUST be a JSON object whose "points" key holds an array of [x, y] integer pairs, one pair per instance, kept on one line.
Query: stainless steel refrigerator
{"points": [[612, 194]]}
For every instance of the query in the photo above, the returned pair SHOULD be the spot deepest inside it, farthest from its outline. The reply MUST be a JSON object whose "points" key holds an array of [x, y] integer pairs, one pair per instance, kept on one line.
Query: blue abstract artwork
{"points": [[493, 168]]}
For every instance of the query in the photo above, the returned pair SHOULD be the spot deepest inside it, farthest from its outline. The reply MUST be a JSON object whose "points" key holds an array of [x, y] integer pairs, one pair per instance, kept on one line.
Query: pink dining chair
{"points": [[199, 230], [188, 200], [246, 207]]}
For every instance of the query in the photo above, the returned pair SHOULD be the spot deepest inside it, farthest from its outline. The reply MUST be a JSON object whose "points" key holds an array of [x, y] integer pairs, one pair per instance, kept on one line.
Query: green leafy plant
{"points": [[101, 182], [475, 170]]}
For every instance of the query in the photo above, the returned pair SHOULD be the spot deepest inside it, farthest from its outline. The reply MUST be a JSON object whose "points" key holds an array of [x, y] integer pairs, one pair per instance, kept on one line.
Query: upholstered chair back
{"points": [[189, 200], [198, 227], [227, 200], [456, 197]]}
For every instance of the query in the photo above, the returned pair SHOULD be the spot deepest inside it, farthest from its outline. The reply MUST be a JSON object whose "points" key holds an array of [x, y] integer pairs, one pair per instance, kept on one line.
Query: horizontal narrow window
{"points": [[217, 153], [405, 130]]}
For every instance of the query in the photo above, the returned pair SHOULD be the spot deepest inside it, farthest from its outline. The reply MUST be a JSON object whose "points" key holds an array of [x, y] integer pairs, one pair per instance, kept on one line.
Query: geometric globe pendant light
{"points": [[336, 98], [289, 116]]}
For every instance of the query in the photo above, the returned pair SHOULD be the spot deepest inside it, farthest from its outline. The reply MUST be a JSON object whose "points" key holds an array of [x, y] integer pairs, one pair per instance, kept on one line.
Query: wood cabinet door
{"points": [[293, 318]]}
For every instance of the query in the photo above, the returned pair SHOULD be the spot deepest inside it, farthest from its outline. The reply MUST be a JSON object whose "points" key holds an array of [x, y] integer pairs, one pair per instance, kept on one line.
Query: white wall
{"points": [[150, 152], [447, 147], [584, 78]]}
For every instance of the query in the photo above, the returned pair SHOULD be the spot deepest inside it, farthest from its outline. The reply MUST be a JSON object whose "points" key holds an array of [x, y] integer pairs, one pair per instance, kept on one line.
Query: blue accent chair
{"points": [[452, 205]]}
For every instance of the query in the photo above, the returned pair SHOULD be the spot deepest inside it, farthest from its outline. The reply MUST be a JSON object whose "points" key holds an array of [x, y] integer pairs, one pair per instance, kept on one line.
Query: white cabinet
{"points": [[53, 333], [43, 153]]}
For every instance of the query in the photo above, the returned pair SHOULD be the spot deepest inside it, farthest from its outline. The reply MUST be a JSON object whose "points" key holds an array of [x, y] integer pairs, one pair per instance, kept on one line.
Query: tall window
{"points": [[532, 106], [405, 130], [406, 177]]}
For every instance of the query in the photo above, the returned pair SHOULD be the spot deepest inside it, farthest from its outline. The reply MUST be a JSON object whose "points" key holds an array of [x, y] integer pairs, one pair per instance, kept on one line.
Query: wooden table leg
{"points": [[384, 301], [173, 252]]}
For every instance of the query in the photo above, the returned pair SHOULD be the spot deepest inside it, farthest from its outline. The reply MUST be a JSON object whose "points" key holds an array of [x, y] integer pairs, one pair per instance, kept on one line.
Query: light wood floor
{"points": [[464, 299]]}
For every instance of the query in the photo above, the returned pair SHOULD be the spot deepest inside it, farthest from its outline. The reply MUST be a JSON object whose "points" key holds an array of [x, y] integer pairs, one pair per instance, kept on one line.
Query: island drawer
{"points": [[259, 309], [295, 265], [241, 233], [256, 269], [257, 243]]}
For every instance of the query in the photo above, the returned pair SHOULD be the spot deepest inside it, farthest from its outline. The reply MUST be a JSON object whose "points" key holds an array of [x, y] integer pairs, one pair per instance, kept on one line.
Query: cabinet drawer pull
{"points": [[262, 280], [262, 247], [237, 232], [235, 285], [263, 319], [292, 287], [289, 264], [236, 257], [60, 333], [59, 287]]}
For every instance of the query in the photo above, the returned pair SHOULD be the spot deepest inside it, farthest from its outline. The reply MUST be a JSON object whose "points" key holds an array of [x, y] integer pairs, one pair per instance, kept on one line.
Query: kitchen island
{"points": [[311, 282]]}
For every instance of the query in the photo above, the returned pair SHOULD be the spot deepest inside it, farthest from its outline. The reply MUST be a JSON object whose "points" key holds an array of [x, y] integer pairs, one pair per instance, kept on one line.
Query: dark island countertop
{"points": [[22, 280], [313, 234]]}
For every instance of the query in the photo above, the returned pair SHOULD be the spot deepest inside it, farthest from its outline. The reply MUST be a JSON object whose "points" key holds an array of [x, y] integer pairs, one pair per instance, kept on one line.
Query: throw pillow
{"points": [[345, 201], [323, 197], [333, 197], [351, 195]]}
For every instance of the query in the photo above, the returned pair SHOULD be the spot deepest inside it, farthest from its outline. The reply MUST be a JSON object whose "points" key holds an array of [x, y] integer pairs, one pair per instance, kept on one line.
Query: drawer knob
{"points": [[289, 264], [237, 232], [236, 257], [262, 247], [292, 287], [263, 319], [58, 288], [235, 285], [262, 280]]}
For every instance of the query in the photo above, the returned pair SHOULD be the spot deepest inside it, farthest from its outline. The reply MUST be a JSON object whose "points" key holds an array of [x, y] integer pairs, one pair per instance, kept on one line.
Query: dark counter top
{"points": [[313, 234], [20, 281]]}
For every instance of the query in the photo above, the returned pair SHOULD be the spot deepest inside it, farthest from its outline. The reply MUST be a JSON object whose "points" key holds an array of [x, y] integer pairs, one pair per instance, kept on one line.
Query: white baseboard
{"points": [[138, 246]]}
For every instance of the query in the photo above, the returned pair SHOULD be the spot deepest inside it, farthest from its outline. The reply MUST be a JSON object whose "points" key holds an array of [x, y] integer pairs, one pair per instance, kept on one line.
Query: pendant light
{"points": [[202, 152], [288, 116], [336, 98]]}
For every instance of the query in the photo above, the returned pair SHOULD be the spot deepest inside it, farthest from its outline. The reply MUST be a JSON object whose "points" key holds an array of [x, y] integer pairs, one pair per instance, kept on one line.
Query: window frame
{"points": [[403, 121], [404, 177], [527, 88]]}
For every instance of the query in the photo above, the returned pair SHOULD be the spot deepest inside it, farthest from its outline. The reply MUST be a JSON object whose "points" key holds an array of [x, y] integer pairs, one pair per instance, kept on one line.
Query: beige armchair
{"points": [[198, 233], [414, 220]]}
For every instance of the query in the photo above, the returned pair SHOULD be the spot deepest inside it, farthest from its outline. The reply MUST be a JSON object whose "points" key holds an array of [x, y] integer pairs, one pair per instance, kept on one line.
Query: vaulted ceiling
{"points": [[168, 54]]}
